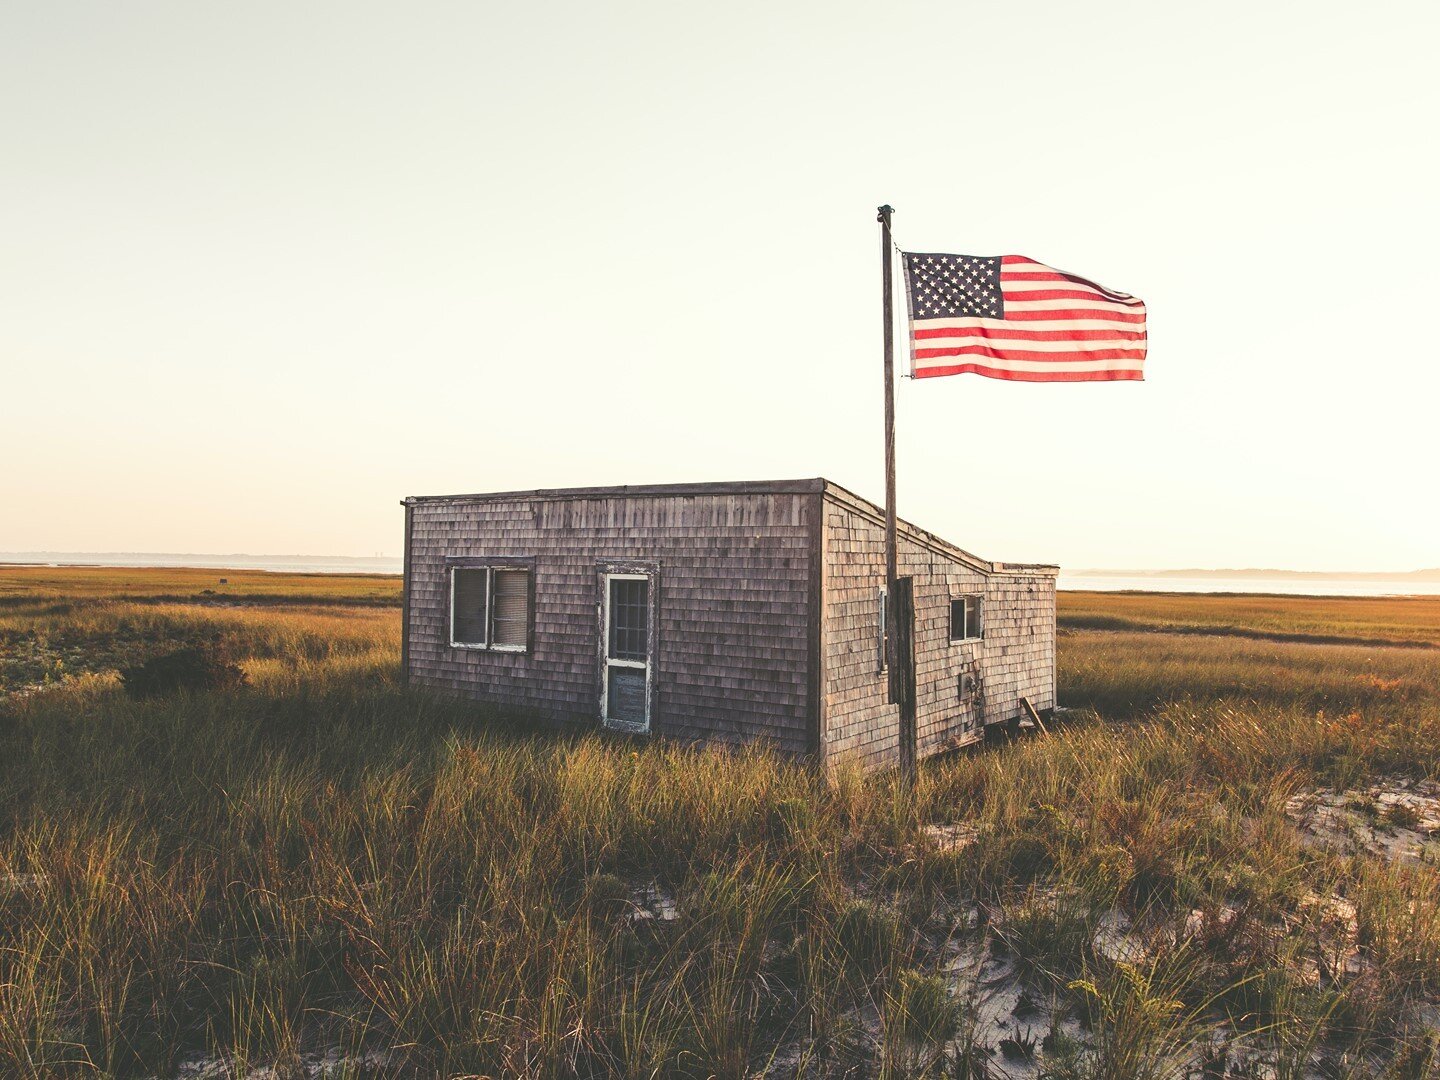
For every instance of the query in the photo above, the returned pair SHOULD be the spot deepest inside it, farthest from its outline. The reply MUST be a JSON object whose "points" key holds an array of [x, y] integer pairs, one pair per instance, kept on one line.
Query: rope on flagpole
{"points": [[905, 310]]}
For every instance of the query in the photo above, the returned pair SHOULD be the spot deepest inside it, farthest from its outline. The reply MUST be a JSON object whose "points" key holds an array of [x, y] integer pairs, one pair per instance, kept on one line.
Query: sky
{"points": [[267, 268]]}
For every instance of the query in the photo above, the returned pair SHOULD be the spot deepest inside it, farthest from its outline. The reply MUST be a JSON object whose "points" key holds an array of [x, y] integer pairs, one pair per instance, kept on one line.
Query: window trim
{"points": [[978, 601], [490, 564]]}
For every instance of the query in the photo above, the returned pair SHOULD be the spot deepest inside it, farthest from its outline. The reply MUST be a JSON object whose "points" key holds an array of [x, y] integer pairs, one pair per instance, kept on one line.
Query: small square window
{"points": [[965, 618]]}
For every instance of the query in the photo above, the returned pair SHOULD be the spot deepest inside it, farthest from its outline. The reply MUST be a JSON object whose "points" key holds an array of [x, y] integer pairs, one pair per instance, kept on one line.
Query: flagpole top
{"points": [[884, 212]]}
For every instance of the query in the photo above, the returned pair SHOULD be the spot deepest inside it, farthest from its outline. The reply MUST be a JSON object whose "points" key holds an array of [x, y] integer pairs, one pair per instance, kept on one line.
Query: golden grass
{"points": [[58, 623], [327, 860], [93, 637], [1399, 619], [1125, 674], [32, 584]]}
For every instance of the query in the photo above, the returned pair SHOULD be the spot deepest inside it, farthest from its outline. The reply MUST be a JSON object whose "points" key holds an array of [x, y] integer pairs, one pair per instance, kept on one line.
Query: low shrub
{"points": [[920, 1017], [869, 935], [194, 668]]}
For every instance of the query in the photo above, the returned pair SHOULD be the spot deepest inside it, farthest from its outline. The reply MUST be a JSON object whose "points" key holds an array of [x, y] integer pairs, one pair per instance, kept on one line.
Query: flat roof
{"points": [[722, 487], [811, 486]]}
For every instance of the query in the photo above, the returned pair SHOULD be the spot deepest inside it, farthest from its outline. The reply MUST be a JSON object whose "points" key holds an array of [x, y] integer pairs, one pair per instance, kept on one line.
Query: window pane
{"points": [[512, 608], [972, 617], [884, 632], [629, 618], [467, 622], [625, 698], [957, 618]]}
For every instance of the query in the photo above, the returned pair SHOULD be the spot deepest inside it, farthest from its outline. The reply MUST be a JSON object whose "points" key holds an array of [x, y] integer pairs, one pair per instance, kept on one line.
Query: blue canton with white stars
{"points": [[954, 286]]}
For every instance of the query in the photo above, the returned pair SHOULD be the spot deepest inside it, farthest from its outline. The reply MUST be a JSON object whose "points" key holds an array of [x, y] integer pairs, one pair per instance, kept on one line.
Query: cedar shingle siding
{"points": [[731, 658], [766, 607], [1014, 658]]}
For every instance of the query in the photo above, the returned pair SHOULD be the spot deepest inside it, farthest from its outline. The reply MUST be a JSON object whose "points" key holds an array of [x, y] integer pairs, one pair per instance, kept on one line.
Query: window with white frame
{"points": [[490, 606], [469, 605], [882, 629], [965, 624], [509, 608]]}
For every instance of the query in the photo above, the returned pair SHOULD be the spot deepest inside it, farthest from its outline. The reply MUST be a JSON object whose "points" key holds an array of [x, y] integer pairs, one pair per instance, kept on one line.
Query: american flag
{"points": [[1009, 317]]}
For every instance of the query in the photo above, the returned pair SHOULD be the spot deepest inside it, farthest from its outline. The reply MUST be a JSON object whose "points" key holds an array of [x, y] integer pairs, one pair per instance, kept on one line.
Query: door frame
{"points": [[627, 571]]}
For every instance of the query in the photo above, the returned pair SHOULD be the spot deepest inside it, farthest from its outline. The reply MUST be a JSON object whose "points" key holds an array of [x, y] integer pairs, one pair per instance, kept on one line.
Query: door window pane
{"points": [[626, 695], [629, 618]]}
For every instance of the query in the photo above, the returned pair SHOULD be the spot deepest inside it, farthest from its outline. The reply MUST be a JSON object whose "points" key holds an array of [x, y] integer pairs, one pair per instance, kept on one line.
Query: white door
{"points": [[626, 659]]}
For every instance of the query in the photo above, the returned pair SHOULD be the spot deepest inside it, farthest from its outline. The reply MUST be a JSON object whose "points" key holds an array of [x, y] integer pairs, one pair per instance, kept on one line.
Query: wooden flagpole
{"points": [[899, 594], [886, 246]]}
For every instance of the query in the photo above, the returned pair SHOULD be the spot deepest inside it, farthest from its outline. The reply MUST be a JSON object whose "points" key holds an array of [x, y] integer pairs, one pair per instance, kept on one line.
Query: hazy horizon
{"points": [[23, 557], [271, 268]]}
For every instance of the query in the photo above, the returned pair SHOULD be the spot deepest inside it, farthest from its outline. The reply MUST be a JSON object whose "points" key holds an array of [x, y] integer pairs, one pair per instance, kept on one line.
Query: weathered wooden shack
{"points": [[719, 612]]}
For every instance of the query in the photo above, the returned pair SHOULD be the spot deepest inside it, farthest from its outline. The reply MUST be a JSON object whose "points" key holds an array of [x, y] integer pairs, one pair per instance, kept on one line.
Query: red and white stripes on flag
{"points": [[1009, 317]]}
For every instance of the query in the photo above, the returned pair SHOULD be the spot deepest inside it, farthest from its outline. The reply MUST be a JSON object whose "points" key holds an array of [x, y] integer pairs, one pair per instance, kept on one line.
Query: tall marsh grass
{"points": [[329, 860], [1404, 619]]}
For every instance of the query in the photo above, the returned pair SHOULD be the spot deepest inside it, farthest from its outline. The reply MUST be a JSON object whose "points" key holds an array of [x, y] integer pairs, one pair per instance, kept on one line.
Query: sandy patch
{"points": [[955, 837], [651, 903], [1395, 819], [11, 884], [333, 1063]]}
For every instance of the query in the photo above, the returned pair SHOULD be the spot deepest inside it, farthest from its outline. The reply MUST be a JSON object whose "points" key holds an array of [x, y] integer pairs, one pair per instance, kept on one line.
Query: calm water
{"points": [[1293, 586], [279, 564], [329, 564]]}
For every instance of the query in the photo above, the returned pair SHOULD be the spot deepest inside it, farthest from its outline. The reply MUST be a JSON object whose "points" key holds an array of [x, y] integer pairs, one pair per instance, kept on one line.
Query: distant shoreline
{"points": [[277, 564], [1245, 582], [1270, 575]]}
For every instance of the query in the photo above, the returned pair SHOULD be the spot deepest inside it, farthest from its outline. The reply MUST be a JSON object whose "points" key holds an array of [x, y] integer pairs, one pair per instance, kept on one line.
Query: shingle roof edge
{"points": [[721, 487], [815, 485]]}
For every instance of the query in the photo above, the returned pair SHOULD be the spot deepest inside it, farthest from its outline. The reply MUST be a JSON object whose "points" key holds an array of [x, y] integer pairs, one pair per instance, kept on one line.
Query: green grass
{"points": [[326, 859]]}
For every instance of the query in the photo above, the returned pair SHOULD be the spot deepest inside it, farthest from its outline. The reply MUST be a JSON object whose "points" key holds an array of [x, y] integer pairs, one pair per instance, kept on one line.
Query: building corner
{"points": [[815, 628], [405, 594]]}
